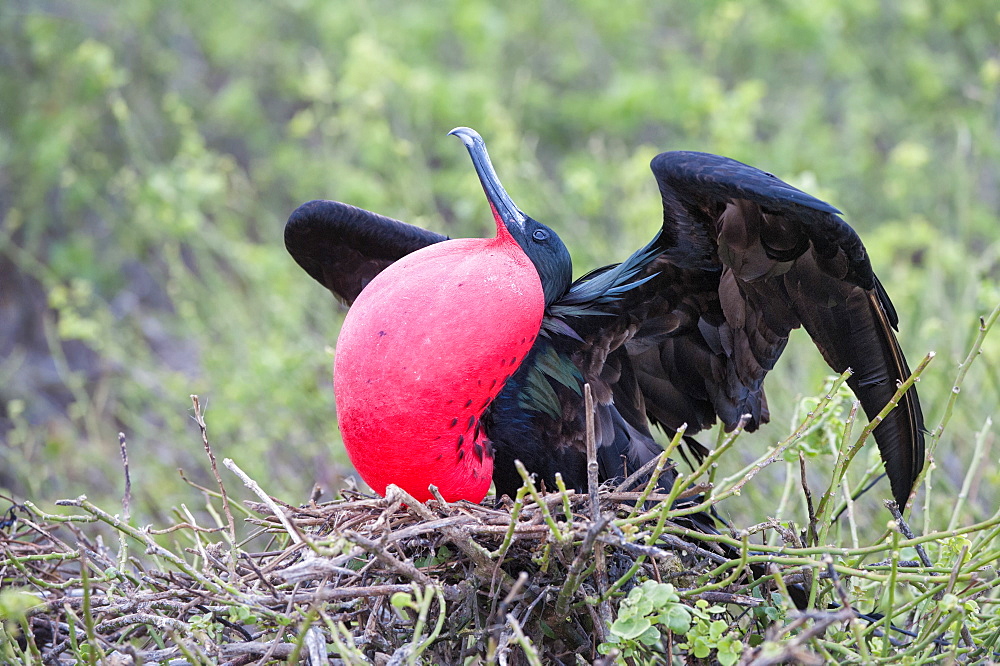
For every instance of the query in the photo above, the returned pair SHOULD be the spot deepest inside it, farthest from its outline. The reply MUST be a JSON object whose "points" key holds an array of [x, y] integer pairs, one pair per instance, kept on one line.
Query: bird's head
{"points": [[540, 243]]}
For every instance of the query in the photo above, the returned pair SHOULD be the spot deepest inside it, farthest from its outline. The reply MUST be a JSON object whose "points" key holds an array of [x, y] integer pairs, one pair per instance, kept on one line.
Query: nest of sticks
{"points": [[616, 575], [358, 580]]}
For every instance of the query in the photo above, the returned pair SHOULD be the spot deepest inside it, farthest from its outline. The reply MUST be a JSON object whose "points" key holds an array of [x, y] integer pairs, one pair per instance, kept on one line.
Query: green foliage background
{"points": [[150, 153]]}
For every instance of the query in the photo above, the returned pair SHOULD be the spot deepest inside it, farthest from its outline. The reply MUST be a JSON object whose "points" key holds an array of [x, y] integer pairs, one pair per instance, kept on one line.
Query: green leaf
{"points": [[14, 603], [678, 619], [729, 650], [626, 611], [630, 628], [650, 637], [401, 601], [716, 629], [643, 606], [661, 594], [727, 658], [701, 647]]}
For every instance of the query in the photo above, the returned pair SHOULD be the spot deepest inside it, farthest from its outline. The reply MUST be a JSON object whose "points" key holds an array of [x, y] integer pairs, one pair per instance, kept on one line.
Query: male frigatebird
{"points": [[459, 357]]}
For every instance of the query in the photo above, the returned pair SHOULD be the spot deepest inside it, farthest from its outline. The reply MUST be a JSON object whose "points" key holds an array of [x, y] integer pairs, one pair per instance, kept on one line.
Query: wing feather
{"points": [[343, 247]]}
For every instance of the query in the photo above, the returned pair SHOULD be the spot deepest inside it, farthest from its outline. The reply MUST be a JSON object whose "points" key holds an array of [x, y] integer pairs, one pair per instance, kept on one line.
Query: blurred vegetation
{"points": [[150, 153]]}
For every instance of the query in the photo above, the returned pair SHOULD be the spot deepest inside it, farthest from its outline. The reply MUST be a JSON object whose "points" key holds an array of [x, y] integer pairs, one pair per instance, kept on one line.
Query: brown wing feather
{"points": [[852, 329]]}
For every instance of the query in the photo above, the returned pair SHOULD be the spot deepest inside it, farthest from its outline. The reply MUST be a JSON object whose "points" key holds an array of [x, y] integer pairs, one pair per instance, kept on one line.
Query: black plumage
{"points": [[683, 331]]}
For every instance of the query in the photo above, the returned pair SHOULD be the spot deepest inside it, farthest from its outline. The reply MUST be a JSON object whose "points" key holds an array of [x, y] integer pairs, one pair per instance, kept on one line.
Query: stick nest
{"points": [[611, 577], [387, 580]]}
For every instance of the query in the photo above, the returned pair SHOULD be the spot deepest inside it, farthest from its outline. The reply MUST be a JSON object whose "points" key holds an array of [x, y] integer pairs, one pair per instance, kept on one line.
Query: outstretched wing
{"points": [[684, 331], [746, 258], [344, 247]]}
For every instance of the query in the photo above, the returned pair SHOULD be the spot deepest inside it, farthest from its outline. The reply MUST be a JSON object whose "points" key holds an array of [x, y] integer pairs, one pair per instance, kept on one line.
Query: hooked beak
{"points": [[503, 207]]}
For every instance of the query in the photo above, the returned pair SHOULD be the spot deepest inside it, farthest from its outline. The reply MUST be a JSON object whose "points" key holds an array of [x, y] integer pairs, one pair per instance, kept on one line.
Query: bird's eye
{"points": [[540, 234]]}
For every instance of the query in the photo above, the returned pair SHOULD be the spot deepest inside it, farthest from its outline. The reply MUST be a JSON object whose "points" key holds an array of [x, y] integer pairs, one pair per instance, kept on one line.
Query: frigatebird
{"points": [[458, 357]]}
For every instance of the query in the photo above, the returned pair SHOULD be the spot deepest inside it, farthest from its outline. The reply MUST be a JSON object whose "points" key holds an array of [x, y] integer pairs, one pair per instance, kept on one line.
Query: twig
{"points": [[530, 653], [143, 537], [513, 593], [159, 621], [792, 650], [845, 603], [599, 523], [717, 597], [378, 551], [200, 420], [975, 469], [461, 540], [632, 478], [653, 481], [291, 530], [126, 504], [316, 646], [811, 512], [592, 483], [573, 581], [985, 324], [905, 530], [557, 533], [652, 551], [127, 497]]}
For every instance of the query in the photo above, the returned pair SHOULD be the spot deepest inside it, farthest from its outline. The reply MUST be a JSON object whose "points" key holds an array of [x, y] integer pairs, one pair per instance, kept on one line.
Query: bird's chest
{"points": [[425, 348]]}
